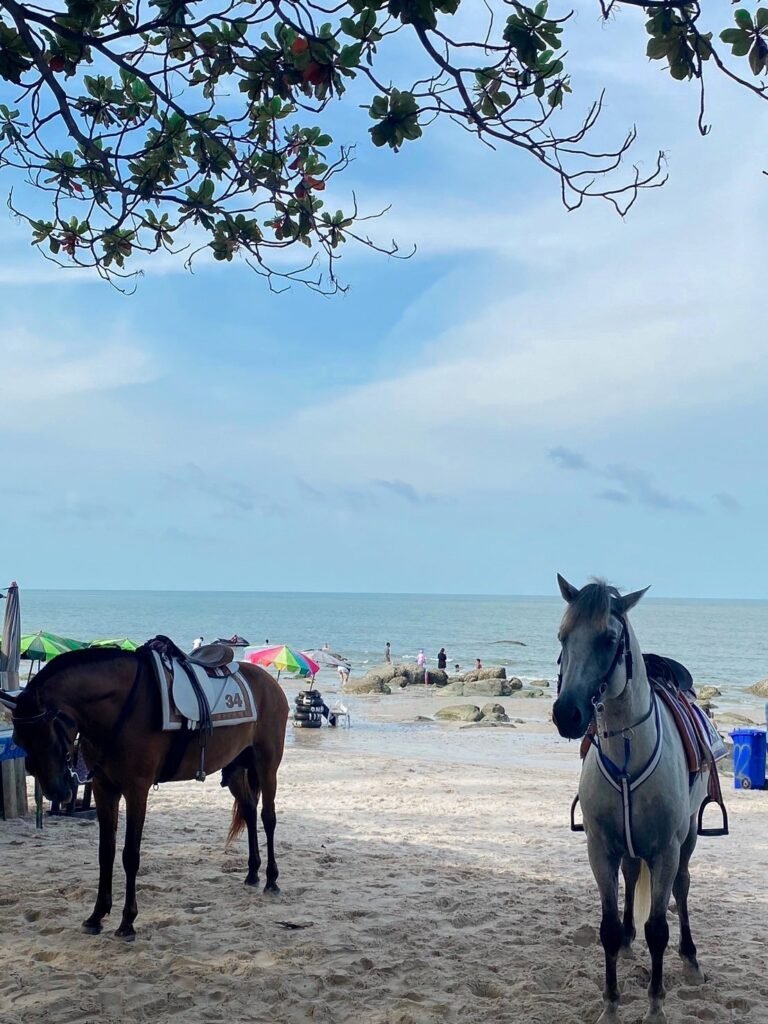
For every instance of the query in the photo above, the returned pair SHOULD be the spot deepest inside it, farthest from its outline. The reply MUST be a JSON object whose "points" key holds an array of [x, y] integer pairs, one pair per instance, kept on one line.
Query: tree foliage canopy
{"points": [[151, 121]]}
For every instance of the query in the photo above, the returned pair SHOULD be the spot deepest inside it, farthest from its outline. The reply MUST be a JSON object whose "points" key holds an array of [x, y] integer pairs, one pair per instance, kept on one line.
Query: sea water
{"points": [[724, 643]]}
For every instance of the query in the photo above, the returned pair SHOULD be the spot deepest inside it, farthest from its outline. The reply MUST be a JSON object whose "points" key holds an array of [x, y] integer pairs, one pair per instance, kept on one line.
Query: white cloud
{"points": [[584, 323], [37, 370]]}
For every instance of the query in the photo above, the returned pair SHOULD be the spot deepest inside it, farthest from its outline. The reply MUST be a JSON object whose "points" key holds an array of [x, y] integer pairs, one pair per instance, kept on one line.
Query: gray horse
{"points": [[639, 809]]}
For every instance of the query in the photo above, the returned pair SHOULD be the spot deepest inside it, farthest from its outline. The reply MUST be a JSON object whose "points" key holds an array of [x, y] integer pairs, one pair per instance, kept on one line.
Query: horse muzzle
{"points": [[570, 720]]}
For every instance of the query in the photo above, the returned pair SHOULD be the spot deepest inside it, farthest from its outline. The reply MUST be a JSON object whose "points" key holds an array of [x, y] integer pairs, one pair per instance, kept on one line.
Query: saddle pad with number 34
{"points": [[229, 696]]}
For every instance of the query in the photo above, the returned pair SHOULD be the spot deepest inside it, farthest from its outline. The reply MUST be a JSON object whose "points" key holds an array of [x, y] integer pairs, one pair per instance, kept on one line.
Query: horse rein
{"points": [[617, 776], [60, 719]]}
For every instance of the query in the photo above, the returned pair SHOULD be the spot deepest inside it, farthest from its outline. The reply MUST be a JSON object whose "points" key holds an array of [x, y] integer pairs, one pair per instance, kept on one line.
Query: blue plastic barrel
{"points": [[748, 758]]}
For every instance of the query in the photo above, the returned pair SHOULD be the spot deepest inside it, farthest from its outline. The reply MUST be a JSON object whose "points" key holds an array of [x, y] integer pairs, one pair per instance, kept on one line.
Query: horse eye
{"points": [[606, 640]]}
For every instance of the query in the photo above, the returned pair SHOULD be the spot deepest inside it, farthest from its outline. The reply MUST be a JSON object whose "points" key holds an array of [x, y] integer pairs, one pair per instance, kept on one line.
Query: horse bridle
{"points": [[623, 652], [61, 721]]}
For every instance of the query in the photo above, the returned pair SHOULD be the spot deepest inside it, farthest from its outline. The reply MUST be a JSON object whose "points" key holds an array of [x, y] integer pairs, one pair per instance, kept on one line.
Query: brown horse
{"points": [[111, 700]]}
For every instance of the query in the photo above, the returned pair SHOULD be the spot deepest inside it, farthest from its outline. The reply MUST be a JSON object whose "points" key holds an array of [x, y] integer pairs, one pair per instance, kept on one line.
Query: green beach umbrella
{"points": [[124, 644], [42, 646]]}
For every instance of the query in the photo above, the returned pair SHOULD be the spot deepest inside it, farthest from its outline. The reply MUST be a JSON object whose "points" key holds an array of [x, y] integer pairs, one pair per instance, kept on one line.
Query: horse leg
{"points": [[663, 872], [692, 973], [107, 804], [630, 869], [135, 812], [606, 871], [244, 787], [268, 776]]}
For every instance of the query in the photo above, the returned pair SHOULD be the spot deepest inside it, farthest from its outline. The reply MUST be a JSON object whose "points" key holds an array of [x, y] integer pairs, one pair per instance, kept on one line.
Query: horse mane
{"points": [[71, 659], [591, 607]]}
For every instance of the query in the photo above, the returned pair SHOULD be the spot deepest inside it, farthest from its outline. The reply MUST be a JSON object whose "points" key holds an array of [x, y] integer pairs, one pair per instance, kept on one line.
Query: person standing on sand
{"points": [[388, 653], [197, 643], [421, 661], [442, 659]]}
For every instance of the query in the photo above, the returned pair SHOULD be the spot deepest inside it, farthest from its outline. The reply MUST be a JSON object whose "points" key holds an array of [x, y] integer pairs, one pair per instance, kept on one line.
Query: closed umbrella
{"points": [[10, 651], [13, 782], [327, 659]]}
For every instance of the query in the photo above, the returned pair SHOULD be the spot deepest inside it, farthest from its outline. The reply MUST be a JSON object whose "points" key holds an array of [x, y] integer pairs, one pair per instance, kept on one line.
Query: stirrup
{"points": [[576, 826], [723, 830]]}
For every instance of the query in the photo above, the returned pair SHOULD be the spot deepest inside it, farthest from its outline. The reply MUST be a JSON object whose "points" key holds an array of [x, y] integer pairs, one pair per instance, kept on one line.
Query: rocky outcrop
{"points": [[489, 687], [531, 693], [732, 718], [495, 672], [538, 684], [394, 676], [367, 684], [708, 692], [494, 713], [459, 713], [759, 689]]}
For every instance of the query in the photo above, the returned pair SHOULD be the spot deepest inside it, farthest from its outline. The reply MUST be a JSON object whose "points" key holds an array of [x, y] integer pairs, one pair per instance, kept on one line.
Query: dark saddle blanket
{"points": [[202, 691]]}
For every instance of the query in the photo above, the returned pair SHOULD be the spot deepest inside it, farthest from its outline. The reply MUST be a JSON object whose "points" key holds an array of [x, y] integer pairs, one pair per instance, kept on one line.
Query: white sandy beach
{"points": [[432, 866]]}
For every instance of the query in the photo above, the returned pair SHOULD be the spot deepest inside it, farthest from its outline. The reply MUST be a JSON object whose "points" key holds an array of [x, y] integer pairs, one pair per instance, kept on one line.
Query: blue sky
{"points": [[532, 392]]}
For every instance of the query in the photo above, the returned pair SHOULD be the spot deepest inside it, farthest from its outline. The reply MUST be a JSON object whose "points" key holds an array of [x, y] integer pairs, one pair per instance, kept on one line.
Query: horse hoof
{"points": [[91, 928], [655, 1017], [252, 880], [610, 1015], [272, 889], [126, 933], [693, 974]]}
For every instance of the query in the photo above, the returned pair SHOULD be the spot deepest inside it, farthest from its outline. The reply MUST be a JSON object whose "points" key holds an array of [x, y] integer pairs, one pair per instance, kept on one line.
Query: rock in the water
{"points": [[514, 683], [531, 693], [493, 709], [759, 689], [488, 723], [494, 672], [367, 684], [539, 683], [487, 687], [460, 713], [707, 692], [457, 687], [731, 718]]}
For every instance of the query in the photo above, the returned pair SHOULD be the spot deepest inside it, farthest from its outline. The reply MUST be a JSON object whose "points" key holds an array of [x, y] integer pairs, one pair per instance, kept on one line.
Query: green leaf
{"points": [[761, 17], [657, 48], [743, 18], [350, 55], [733, 35], [758, 58]]}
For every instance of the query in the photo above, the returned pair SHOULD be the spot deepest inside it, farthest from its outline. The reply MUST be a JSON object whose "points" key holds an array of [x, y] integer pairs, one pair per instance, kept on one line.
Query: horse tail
{"points": [[246, 795], [642, 905], [238, 821]]}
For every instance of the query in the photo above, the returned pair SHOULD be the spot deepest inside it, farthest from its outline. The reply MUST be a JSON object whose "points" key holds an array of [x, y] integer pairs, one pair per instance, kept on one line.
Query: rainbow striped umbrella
{"points": [[285, 659]]}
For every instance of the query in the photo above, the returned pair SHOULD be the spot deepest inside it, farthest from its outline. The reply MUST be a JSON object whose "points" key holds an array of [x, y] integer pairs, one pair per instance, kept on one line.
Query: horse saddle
{"points": [[212, 655], [668, 672], [200, 693]]}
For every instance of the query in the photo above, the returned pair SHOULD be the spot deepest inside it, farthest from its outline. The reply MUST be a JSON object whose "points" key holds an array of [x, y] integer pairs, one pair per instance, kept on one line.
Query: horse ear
{"points": [[569, 593], [628, 601]]}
